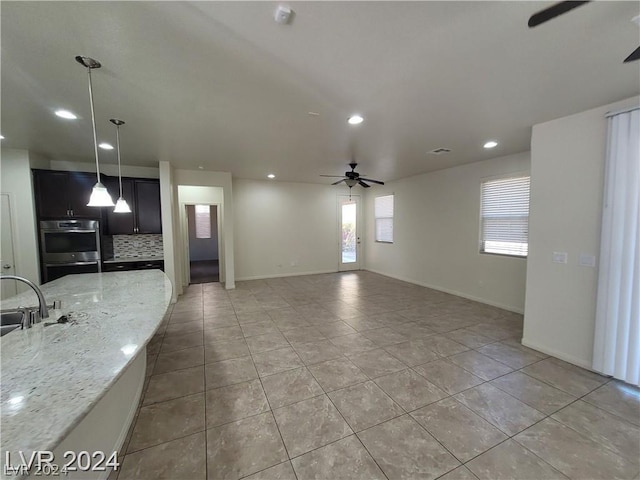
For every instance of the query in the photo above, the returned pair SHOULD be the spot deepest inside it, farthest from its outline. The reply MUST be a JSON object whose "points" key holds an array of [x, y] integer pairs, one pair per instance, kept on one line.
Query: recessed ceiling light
{"points": [[1, 137], [491, 144], [106, 146], [355, 119], [200, 167], [271, 175], [313, 114], [66, 114]]}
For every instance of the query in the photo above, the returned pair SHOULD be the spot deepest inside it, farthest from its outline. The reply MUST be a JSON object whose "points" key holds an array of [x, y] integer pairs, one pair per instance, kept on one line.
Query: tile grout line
{"points": [[264, 392], [417, 300]]}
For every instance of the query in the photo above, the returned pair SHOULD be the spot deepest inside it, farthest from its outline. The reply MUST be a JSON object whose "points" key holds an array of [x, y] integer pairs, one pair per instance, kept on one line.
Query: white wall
{"points": [[285, 228], [436, 234], [170, 231], [106, 168], [16, 180], [567, 182]]}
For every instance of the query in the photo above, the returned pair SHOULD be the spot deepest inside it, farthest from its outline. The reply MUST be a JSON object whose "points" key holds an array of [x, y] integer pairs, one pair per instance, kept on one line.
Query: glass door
{"points": [[349, 232]]}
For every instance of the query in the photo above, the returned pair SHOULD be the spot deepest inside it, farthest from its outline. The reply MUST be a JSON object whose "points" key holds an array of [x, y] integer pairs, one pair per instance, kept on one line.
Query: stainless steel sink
{"points": [[9, 321]]}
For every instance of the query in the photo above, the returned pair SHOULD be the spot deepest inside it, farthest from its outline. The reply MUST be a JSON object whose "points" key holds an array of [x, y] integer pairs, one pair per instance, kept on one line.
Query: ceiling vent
{"points": [[439, 151]]}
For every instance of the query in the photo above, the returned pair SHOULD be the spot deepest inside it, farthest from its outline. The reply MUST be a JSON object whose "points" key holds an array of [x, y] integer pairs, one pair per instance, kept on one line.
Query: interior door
{"points": [[6, 247], [349, 227]]}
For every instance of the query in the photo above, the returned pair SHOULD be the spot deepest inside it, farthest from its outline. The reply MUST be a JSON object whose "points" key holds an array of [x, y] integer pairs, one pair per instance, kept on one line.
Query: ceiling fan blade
{"points": [[333, 176], [339, 181], [372, 181], [364, 184], [552, 12], [634, 56]]}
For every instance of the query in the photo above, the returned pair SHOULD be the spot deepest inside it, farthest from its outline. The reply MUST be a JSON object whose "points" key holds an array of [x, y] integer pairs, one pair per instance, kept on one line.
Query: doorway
{"points": [[204, 259], [7, 259], [349, 226]]}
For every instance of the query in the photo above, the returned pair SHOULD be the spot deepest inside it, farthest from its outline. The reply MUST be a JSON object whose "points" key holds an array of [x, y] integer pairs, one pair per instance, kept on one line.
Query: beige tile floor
{"points": [[356, 375]]}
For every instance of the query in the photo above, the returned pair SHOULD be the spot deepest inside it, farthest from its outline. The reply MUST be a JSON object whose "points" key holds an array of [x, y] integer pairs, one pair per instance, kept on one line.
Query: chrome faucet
{"points": [[43, 310]]}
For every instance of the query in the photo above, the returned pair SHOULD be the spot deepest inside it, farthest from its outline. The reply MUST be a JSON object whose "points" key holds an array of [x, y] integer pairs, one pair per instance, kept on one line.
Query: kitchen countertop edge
{"points": [[86, 302]]}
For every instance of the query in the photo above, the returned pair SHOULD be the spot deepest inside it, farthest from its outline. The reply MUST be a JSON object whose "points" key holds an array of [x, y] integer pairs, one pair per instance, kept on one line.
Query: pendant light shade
{"points": [[121, 205], [99, 195]]}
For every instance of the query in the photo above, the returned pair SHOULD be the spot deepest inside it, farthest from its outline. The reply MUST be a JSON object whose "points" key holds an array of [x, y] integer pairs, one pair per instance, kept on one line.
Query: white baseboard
{"points": [[510, 308], [561, 355], [281, 275]]}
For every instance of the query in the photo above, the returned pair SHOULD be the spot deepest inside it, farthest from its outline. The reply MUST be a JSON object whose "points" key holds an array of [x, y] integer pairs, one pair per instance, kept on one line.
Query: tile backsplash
{"points": [[132, 246]]}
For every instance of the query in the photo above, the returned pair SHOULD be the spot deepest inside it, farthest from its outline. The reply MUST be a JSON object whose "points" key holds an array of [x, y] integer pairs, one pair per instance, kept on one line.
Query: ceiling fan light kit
{"points": [[353, 178], [99, 195]]}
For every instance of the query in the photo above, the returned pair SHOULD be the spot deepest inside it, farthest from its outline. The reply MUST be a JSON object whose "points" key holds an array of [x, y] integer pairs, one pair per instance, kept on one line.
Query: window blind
{"points": [[383, 213], [203, 221], [505, 216]]}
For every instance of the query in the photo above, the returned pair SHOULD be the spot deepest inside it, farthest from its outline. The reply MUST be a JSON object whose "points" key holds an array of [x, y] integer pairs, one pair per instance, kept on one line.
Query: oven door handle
{"points": [[69, 263], [70, 230]]}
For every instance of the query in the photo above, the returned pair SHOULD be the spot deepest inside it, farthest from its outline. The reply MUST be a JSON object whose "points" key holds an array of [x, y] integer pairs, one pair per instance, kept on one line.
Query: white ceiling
{"points": [[221, 85]]}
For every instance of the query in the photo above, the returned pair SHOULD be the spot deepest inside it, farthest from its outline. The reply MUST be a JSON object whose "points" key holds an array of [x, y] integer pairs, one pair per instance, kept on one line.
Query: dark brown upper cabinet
{"points": [[148, 206], [64, 194], [143, 197]]}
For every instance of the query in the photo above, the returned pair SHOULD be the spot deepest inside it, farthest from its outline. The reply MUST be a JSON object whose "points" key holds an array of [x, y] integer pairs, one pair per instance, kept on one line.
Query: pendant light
{"points": [[121, 205], [99, 195]]}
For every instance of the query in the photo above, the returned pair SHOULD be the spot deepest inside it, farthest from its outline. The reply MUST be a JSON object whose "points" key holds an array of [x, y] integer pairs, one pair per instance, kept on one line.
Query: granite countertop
{"points": [[52, 376], [133, 259]]}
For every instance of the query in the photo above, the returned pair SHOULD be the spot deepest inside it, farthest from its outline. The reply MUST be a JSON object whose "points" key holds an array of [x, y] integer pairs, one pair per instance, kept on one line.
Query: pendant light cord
{"points": [[118, 147], [93, 123]]}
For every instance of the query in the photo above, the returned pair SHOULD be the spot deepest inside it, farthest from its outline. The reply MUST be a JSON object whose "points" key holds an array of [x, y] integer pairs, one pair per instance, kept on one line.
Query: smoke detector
{"points": [[283, 15], [439, 151]]}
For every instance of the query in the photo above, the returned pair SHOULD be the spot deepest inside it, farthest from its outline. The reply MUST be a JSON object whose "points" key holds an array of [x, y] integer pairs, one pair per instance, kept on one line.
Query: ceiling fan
{"points": [[353, 178], [563, 7]]}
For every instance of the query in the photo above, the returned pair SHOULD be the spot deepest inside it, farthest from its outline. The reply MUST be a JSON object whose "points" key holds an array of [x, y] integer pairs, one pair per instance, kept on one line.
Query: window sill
{"points": [[524, 257]]}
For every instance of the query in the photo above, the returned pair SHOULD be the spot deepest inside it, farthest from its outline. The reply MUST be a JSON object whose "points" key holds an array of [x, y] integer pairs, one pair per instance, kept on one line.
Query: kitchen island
{"points": [[77, 384]]}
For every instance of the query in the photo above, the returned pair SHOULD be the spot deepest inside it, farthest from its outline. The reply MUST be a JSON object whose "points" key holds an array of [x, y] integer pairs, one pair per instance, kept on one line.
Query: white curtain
{"points": [[617, 335]]}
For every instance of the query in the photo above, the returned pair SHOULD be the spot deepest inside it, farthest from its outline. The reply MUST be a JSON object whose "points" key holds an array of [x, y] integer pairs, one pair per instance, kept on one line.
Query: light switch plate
{"points": [[587, 260], [560, 257]]}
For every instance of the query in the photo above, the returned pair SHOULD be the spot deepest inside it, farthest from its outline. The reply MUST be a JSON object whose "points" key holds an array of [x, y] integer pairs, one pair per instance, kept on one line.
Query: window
{"points": [[383, 212], [203, 221], [504, 213]]}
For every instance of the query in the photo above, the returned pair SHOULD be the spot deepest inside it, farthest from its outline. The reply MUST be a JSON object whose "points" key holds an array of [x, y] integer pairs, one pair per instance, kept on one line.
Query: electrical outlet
{"points": [[560, 257], [587, 260]]}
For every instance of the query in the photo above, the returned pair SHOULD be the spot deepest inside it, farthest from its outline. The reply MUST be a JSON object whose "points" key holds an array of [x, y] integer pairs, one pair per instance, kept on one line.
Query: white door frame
{"points": [[186, 274], [10, 287], [357, 265]]}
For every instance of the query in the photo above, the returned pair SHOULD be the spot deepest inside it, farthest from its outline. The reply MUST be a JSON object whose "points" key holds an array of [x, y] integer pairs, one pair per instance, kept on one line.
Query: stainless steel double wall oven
{"points": [[69, 246]]}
